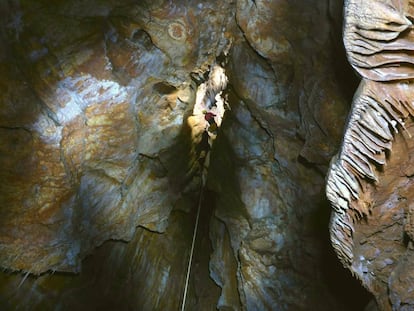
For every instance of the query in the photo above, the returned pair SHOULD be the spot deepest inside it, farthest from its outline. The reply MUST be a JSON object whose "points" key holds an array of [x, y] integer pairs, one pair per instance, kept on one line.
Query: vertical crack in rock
{"points": [[208, 113]]}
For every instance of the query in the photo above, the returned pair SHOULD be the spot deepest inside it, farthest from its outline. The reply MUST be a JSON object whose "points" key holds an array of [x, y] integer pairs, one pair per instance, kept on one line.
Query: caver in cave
{"points": [[100, 176]]}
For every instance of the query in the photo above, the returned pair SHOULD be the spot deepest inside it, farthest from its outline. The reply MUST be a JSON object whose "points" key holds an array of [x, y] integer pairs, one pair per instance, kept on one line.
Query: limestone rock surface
{"points": [[100, 178], [370, 181]]}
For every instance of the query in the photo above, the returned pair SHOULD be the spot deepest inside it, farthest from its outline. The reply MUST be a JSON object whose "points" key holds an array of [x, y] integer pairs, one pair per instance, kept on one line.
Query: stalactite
{"points": [[375, 117], [378, 40]]}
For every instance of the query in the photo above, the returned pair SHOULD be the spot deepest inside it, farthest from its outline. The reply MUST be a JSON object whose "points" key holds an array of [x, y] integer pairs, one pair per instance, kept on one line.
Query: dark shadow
{"points": [[202, 289], [345, 288], [346, 77]]}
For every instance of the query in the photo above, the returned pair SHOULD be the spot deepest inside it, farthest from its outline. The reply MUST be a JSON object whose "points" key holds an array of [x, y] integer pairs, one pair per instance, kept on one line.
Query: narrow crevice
{"points": [[203, 293], [200, 291]]}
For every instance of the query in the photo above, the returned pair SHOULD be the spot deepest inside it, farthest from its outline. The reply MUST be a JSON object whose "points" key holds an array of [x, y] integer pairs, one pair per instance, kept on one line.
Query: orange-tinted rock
{"points": [[96, 99], [78, 137]]}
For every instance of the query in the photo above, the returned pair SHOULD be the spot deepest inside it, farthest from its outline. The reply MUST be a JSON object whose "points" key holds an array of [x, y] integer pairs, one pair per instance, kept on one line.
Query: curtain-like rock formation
{"points": [[370, 181], [99, 175]]}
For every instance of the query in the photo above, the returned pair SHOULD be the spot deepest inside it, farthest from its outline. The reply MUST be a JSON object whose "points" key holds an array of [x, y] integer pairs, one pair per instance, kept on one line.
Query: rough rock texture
{"points": [[370, 181], [100, 176]]}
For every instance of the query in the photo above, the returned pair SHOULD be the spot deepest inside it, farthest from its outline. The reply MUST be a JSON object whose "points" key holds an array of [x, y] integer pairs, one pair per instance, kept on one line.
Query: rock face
{"points": [[100, 175], [370, 180]]}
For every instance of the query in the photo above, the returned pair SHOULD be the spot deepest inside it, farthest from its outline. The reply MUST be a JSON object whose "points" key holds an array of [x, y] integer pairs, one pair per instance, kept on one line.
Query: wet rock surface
{"points": [[100, 181]]}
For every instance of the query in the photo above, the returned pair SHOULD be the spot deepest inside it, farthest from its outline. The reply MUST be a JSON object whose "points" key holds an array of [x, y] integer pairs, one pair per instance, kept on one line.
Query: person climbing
{"points": [[209, 117]]}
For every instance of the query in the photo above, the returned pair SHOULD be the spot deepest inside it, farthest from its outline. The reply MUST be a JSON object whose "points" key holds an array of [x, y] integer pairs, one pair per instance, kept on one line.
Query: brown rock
{"points": [[369, 182], [95, 103]]}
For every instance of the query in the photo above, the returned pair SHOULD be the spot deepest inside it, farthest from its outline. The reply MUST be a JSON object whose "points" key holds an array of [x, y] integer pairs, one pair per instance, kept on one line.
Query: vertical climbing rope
{"points": [[207, 116], [190, 260]]}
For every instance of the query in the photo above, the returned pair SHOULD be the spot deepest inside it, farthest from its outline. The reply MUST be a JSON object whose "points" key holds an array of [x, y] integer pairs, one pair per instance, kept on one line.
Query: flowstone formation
{"points": [[370, 181], [103, 110]]}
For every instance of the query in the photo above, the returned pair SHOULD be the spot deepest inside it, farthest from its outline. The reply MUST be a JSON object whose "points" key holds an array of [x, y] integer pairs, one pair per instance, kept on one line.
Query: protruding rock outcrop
{"points": [[378, 38], [369, 181]]}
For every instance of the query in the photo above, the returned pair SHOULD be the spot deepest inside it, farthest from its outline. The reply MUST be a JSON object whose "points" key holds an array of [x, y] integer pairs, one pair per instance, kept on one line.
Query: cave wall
{"points": [[370, 180], [100, 179]]}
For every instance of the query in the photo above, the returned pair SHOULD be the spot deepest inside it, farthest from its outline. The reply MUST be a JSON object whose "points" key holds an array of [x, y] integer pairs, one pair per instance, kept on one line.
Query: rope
{"points": [[216, 83], [190, 260]]}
